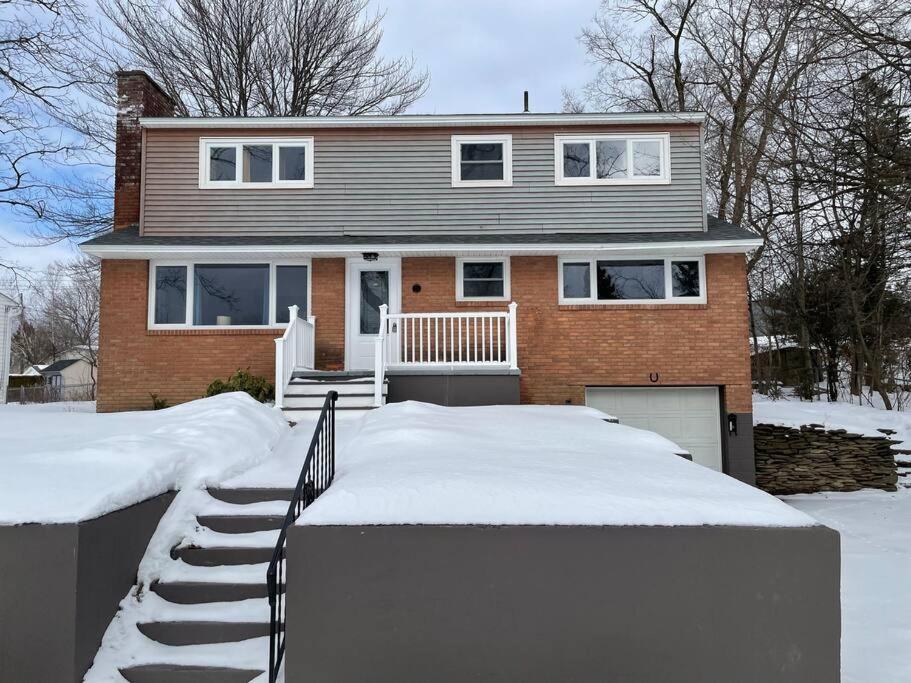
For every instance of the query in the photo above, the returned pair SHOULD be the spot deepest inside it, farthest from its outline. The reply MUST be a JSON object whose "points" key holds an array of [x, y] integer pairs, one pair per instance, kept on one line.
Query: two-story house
{"points": [[463, 259]]}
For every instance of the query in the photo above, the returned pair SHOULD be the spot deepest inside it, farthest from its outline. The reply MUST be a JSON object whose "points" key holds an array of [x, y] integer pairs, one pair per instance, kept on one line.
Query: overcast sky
{"points": [[481, 55]]}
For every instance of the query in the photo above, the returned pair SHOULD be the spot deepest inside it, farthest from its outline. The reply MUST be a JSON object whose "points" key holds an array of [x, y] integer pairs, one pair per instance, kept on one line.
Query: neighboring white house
{"points": [[7, 308], [72, 369]]}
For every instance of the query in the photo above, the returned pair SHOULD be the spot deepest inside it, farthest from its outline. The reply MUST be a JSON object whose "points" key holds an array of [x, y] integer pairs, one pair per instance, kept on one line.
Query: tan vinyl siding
{"points": [[399, 181]]}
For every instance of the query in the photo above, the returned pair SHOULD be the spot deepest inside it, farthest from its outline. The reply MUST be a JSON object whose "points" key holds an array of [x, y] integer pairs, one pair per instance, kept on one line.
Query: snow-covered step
{"points": [[206, 618], [219, 556], [315, 401], [177, 673], [325, 386], [244, 496], [201, 632], [201, 592], [332, 375], [240, 524]]}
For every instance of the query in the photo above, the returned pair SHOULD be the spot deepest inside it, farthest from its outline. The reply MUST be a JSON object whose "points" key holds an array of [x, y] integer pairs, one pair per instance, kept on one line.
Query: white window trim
{"points": [[191, 287], [663, 179], [238, 143], [456, 149], [460, 295], [668, 284]]}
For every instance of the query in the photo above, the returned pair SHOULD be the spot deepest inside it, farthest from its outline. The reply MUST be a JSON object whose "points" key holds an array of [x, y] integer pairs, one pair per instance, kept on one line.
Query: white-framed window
{"points": [[218, 294], [481, 160], [639, 159], [631, 280], [253, 163], [482, 279]]}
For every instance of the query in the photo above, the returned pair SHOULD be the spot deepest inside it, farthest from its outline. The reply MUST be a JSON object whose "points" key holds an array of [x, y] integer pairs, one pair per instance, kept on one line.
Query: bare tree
{"points": [[264, 57], [42, 71], [62, 315]]}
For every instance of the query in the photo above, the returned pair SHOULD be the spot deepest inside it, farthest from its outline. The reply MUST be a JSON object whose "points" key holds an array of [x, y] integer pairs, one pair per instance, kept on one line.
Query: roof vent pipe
{"points": [[525, 98]]}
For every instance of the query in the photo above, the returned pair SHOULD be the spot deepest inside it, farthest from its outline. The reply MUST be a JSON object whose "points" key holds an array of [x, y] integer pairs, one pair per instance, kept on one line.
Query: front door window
{"points": [[374, 293]]}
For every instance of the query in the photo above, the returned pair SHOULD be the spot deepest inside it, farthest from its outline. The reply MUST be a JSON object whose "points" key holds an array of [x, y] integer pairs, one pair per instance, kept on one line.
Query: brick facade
{"points": [[137, 95], [564, 348], [561, 348]]}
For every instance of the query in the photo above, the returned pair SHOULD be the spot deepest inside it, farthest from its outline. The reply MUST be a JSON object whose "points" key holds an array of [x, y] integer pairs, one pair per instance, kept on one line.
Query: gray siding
{"points": [[399, 181]]}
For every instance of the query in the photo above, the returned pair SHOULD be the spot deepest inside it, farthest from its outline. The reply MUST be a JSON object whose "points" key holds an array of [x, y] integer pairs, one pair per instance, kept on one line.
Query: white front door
{"points": [[688, 416], [370, 284]]}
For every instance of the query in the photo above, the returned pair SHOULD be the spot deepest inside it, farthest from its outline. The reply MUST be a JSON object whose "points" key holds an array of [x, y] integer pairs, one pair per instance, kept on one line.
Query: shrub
{"points": [[258, 387], [158, 403]]}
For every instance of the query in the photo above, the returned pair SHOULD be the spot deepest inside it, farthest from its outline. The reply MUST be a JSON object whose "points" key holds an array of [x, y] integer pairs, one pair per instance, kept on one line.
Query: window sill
{"points": [[627, 307], [219, 331]]}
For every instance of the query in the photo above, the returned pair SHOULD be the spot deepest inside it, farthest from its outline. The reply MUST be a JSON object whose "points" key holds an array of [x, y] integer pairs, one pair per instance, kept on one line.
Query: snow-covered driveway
{"points": [[875, 529]]}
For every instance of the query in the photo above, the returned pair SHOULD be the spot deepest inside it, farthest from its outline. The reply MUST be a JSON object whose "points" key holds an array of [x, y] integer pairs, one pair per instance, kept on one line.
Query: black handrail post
{"points": [[316, 475]]}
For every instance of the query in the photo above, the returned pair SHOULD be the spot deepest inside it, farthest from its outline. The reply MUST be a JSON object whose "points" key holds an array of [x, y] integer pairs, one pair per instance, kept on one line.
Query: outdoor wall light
{"points": [[370, 256], [416, 288], [732, 424]]}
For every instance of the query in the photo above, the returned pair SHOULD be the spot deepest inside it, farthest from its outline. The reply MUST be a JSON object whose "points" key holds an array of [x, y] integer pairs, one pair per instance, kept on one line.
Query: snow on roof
{"points": [[415, 463], [85, 465]]}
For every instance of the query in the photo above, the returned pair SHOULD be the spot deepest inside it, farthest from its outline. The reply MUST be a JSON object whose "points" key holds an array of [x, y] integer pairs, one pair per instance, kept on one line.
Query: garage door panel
{"points": [[688, 416]]}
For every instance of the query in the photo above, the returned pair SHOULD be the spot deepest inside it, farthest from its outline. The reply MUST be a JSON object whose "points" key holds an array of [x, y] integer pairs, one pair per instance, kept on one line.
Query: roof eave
{"points": [[425, 121], [140, 251]]}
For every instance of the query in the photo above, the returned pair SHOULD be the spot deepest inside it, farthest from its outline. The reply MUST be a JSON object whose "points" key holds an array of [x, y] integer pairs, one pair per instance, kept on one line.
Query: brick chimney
{"points": [[137, 95]]}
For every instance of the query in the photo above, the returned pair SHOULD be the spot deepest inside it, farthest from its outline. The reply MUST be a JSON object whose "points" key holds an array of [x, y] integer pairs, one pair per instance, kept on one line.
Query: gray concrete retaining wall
{"points": [[411, 604], [60, 585], [455, 389]]}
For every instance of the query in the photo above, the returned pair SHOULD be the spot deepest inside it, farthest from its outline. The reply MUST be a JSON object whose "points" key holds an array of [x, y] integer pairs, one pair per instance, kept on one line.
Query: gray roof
{"points": [[718, 230], [59, 365]]}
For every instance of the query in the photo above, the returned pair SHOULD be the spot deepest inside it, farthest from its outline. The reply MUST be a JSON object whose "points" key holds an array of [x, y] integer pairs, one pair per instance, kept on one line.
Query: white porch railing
{"points": [[444, 339], [296, 349]]}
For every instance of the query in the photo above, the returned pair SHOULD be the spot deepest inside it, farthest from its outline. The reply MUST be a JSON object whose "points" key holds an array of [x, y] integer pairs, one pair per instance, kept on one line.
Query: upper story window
{"points": [[255, 162], [632, 280], [612, 159], [479, 279], [481, 160]]}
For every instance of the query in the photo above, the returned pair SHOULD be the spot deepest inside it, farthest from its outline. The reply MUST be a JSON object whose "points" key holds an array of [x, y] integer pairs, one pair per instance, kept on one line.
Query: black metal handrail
{"points": [[315, 477]]}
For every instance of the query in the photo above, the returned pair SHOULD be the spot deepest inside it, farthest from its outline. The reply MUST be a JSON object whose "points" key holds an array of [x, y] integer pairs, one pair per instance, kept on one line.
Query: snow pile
{"points": [[415, 463], [72, 466], [857, 419]]}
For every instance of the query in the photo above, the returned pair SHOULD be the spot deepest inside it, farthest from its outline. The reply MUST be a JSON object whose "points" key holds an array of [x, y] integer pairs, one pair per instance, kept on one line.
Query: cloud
{"points": [[482, 54]]}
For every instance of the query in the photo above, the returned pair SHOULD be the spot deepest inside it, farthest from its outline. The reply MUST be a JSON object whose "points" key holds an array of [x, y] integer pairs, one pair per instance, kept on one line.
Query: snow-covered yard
{"points": [[62, 462], [875, 529]]}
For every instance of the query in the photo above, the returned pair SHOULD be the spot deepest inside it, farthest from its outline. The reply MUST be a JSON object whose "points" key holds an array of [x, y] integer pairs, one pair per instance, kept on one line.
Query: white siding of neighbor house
{"points": [[80, 372], [6, 333], [399, 181]]}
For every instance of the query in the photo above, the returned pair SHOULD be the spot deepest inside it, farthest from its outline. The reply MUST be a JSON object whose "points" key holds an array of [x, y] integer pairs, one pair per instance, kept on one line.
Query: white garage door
{"points": [[688, 416]]}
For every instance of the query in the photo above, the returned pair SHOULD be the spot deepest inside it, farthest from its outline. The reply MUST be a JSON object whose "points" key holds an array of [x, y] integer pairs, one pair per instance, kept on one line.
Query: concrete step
{"points": [[316, 410], [175, 673], [246, 496], [202, 632], [315, 387], [240, 524], [195, 593], [215, 557], [315, 401], [332, 375]]}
